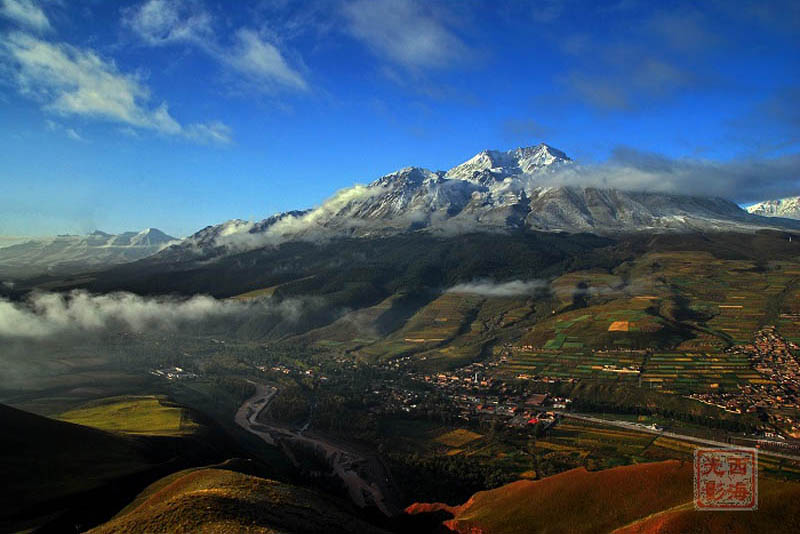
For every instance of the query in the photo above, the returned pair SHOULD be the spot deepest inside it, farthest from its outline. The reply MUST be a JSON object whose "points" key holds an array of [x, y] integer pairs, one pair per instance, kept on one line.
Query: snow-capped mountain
{"points": [[788, 208], [492, 191], [65, 254]]}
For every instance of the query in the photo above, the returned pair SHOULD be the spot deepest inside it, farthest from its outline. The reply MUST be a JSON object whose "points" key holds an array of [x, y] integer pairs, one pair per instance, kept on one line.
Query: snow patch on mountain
{"points": [[783, 207], [66, 254]]}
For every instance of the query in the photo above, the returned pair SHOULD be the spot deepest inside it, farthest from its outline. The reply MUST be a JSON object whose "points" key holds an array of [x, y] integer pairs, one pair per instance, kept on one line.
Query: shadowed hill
{"points": [[44, 461], [57, 472], [217, 500]]}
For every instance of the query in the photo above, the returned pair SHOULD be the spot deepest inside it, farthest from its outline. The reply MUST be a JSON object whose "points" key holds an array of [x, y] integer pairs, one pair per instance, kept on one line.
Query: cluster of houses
{"points": [[289, 370], [173, 373], [773, 357]]}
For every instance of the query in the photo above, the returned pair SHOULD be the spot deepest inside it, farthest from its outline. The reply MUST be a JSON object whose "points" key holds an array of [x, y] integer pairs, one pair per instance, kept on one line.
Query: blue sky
{"points": [[182, 113]]}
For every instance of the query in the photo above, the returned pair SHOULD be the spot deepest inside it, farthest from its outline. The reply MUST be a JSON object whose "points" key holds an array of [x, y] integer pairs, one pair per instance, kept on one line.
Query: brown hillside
{"points": [[213, 500], [577, 501], [779, 511]]}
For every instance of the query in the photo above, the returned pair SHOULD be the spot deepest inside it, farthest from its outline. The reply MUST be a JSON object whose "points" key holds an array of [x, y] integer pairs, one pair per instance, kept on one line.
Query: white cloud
{"points": [[489, 288], [309, 226], [160, 22], [26, 13], [47, 314], [741, 180], [214, 132], [72, 134], [74, 81], [169, 22], [260, 60], [404, 32]]}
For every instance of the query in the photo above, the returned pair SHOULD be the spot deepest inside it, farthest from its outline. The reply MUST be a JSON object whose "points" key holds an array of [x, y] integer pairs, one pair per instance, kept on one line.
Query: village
{"points": [[173, 373], [471, 394], [772, 356]]}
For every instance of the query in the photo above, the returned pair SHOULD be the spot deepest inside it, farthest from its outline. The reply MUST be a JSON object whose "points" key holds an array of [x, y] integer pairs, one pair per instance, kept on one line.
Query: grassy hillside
{"points": [[218, 500], [149, 415]]}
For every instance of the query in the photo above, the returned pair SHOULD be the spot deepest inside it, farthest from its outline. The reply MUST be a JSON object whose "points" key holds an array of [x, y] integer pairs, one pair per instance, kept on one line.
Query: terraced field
{"points": [[603, 326], [427, 332], [608, 366], [597, 283], [688, 372]]}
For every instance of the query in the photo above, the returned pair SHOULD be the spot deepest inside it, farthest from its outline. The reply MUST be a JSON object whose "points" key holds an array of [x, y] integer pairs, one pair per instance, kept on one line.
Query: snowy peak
{"points": [[151, 237], [788, 208], [536, 157], [408, 176], [73, 253], [523, 160], [494, 191]]}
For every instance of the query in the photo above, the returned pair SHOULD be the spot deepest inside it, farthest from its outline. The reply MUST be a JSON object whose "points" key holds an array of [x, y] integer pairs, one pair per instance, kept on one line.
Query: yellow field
{"points": [[458, 437]]}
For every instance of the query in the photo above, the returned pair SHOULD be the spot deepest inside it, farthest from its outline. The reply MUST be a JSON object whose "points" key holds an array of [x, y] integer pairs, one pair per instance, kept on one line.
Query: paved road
{"points": [[366, 480], [683, 437]]}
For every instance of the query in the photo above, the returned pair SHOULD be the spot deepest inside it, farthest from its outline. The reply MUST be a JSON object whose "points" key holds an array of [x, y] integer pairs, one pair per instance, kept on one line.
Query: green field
{"points": [[608, 366], [134, 415], [687, 372]]}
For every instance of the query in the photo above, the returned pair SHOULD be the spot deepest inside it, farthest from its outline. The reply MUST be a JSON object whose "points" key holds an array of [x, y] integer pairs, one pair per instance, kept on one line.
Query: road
{"points": [[683, 437], [364, 476]]}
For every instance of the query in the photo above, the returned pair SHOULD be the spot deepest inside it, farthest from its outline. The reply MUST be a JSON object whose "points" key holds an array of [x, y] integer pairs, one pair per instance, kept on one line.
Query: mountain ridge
{"points": [[66, 254], [788, 207], [493, 191]]}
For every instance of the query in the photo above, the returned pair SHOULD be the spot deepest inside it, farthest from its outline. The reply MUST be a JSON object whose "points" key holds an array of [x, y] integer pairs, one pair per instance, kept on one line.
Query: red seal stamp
{"points": [[726, 479]]}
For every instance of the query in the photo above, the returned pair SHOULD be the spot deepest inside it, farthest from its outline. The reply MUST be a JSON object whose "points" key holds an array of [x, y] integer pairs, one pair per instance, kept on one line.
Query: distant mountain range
{"points": [[788, 208], [66, 254], [492, 191]]}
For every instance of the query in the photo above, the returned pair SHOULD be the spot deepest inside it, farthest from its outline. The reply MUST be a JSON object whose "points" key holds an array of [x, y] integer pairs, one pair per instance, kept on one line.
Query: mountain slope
{"points": [[60, 473], [67, 254], [778, 511], [788, 208], [577, 501], [44, 461], [493, 191], [220, 500], [635, 499]]}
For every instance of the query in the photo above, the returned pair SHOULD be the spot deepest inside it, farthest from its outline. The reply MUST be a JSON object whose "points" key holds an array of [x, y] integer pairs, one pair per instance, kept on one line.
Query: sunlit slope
{"points": [[778, 511], [149, 415], [215, 500], [577, 501], [652, 498]]}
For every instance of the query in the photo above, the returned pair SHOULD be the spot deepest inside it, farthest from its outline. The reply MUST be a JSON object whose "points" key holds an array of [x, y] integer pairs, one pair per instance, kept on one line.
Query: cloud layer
{"points": [[740, 180], [489, 288], [47, 314]]}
